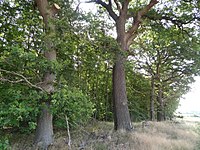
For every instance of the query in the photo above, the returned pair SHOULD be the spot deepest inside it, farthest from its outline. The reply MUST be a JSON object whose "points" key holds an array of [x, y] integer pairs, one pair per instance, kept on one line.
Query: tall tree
{"points": [[170, 63], [44, 130], [29, 61], [124, 38]]}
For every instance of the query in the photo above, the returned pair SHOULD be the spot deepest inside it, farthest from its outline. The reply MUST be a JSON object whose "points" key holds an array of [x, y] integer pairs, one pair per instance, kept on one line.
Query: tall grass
{"points": [[165, 136], [198, 141], [151, 136]]}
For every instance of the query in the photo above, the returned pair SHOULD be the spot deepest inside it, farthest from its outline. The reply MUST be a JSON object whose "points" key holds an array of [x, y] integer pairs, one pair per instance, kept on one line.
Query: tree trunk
{"points": [[122, 119], [152, 96], [44, 131], [124, 38], [160, 109]]}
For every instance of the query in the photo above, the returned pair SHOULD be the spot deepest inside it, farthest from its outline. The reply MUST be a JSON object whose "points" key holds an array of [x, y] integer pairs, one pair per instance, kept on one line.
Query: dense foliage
{"points": [[160, 64]]}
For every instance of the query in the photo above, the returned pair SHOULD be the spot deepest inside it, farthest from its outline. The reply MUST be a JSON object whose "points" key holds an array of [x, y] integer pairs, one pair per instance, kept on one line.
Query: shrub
{"points": [[4, 143], [18, 107], [73, 104]]}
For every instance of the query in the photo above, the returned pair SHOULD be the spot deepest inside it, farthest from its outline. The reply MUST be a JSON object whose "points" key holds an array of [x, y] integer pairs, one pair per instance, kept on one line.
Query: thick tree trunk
{"points": [[160, 109], [152, 96], [122, 119], [124, 39], [44, 131]]}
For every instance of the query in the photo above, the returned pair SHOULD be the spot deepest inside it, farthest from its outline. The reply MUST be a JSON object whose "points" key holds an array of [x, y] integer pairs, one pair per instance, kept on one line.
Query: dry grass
{"points": [[154, 136], [165, 136]]}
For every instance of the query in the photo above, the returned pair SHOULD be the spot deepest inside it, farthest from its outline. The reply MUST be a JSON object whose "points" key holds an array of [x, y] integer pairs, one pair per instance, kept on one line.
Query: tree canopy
{"points": [[56, 60]]}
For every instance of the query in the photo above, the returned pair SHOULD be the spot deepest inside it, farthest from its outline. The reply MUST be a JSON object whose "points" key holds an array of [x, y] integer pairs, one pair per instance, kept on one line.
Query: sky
{"points": [[88, 7], [191, 101]]}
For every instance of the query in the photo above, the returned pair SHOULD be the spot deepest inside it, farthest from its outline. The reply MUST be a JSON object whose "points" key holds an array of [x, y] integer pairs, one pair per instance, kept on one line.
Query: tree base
{"points": [[44, 130]]}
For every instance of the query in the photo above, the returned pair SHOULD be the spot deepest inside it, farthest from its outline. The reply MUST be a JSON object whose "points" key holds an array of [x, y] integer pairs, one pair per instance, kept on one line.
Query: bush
{"points": [[4, 144], [73, 104], [18, 107]]}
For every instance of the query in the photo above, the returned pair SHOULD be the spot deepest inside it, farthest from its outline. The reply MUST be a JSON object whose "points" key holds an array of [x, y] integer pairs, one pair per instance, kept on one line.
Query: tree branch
{"points": [[179, 22], [119, 7], [173, 19], [125, 6], [138, 19], [108, 7], [11, 81], [45, 11], [23, 78]]}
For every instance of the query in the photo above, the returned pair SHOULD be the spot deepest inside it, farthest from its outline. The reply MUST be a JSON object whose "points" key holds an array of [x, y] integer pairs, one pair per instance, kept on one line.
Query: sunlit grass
{"points": [[165, 136], [153, 136]]}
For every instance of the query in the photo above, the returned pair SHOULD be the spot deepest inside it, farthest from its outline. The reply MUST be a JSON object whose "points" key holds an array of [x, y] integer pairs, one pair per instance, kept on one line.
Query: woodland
{"points": [[61, 67]]}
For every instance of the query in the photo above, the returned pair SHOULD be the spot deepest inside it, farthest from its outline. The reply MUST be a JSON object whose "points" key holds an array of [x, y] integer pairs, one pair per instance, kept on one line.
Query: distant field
{"points": [[190, 119]]}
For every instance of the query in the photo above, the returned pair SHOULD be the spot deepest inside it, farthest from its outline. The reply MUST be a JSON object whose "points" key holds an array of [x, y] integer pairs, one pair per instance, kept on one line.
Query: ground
{"points": [[169, 135]]}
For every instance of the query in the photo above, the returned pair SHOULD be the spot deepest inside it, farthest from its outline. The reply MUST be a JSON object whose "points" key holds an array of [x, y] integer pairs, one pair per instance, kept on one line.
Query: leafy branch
{"points": [[138, 19], [23, 78], [173, 19]]}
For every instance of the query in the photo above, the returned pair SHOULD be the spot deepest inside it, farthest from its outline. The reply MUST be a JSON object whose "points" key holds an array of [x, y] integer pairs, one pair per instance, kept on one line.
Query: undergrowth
{"points": [[100, 136]]}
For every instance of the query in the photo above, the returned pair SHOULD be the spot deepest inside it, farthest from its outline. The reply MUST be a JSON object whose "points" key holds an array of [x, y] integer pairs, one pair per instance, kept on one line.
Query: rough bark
{"points": [[44, 130], [122, 119], [160, 109], [124, 38], [152, 96]]}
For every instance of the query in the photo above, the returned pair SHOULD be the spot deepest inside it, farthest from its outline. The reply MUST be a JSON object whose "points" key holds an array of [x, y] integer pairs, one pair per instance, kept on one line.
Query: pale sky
{"points": [[191, 101], [88, 7]]}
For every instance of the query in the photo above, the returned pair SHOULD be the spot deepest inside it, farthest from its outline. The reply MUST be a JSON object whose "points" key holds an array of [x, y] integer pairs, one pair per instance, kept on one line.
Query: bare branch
{"points": [[77, 7], [119, 7], [174, 20], [11, 81], [68, 132], [108, 7], [110, 3], [17, 81], [178, 22]]}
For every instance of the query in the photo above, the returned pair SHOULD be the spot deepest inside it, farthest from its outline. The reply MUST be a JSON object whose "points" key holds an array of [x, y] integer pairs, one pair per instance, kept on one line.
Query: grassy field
{"points": [[169, 135]]}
